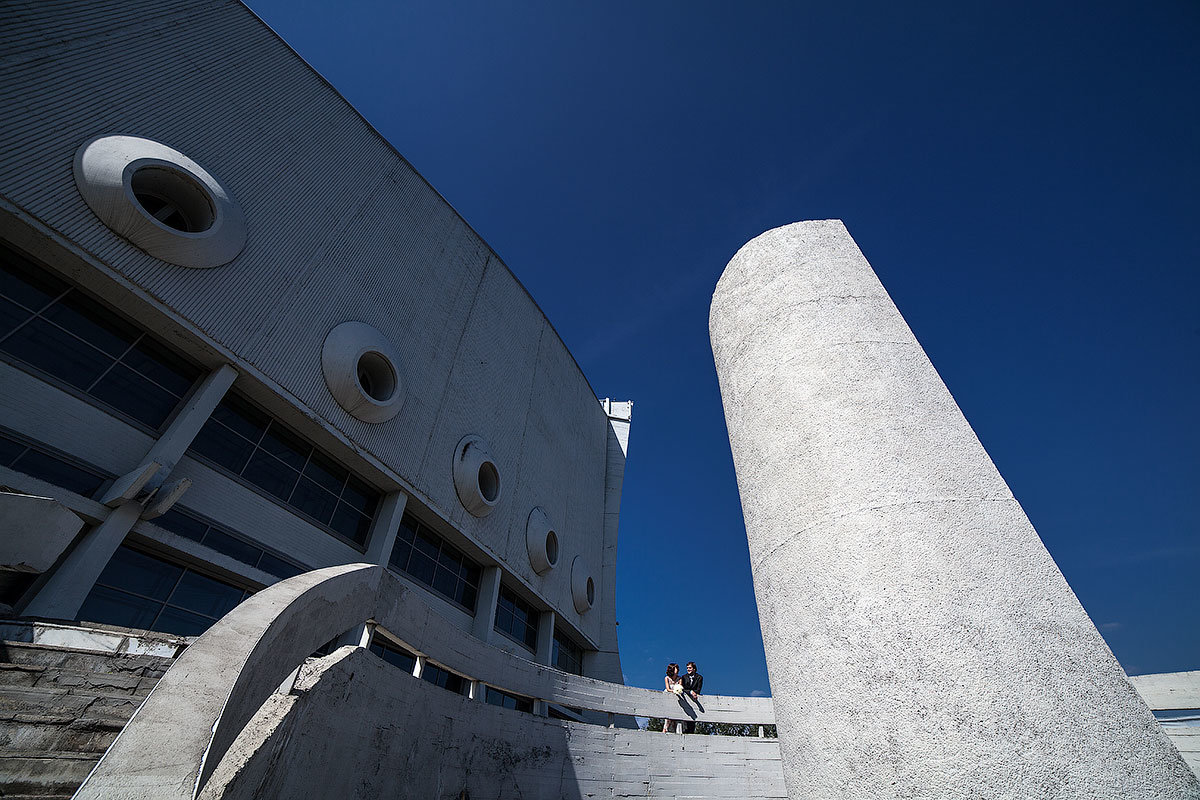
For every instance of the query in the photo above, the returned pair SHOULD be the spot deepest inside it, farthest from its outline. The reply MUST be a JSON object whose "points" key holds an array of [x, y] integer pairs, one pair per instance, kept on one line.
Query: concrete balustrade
{"points": [[177, 738]]}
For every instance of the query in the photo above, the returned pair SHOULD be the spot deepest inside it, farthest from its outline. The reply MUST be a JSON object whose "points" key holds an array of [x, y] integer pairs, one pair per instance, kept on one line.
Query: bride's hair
{"points": [[672, 668]]}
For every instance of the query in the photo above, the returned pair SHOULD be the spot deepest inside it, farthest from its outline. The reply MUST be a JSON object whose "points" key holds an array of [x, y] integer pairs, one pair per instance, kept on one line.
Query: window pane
{"points": [[288, 448], [182, 623], [399, 556], [162, 366], [314, 501], [408, 529], [350, 523], [124, 389], [92, 323], [50, 469], [466, 596], [46, 347], [420, 567], [242, 418], [234, 548], [182, 524], [325, 473], [360, 496], [9, 450], [445, 581], [23, 283], [455, 683], [271, 475], [427, 545], [223, 446], [205, 596], [403, 660], [278, 567], [139, 573], [113, 607], [450, 559], [11, 315]]}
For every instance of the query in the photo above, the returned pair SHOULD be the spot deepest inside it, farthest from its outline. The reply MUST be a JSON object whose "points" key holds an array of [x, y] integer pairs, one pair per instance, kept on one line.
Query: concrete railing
{"points": [[187, 724]]}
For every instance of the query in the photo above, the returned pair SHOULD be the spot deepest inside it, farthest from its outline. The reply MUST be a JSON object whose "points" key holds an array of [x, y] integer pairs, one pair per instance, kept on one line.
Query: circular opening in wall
{"points": [[552, 547], [174, 198], [591, 592], [376, 376], [489, 481]]}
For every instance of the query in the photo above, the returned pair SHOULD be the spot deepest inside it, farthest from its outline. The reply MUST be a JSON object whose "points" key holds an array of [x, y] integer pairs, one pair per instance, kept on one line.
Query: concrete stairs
{"points": [[60, 709]]}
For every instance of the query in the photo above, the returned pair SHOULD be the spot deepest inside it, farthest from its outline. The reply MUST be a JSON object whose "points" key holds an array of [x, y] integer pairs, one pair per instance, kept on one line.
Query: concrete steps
{"points": [[60, 709]]}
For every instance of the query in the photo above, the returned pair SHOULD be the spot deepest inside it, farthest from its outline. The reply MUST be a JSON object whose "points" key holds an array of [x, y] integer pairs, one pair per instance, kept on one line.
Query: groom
{"points": [[693, 681]]}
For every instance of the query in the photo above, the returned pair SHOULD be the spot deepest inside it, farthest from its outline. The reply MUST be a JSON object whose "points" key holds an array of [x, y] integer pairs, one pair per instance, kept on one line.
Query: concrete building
{"points": [[259, 381]]}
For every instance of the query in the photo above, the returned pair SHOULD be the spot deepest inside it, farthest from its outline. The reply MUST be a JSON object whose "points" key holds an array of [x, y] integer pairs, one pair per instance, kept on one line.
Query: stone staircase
{"points": [[62, 706]]}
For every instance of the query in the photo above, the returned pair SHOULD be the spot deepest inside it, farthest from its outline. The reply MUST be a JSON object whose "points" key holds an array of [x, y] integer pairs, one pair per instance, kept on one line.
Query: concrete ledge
{"points": [[180, 734]]}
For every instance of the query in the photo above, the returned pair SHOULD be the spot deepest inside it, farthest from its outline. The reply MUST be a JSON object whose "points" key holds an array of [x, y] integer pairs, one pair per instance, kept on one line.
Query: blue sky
{"points": [[1023, 177]]}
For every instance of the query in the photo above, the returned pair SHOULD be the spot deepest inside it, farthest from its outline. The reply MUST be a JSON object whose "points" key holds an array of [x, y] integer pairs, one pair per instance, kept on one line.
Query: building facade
{"points": [[244, 339]]}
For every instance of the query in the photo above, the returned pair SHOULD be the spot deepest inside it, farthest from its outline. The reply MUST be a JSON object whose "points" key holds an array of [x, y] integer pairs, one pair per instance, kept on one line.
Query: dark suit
{"points": [[692, 682]]}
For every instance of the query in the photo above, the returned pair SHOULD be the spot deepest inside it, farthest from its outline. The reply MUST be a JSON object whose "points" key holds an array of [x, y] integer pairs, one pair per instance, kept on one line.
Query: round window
{"points": [[541, 542], [476, 476], [160, 201], [173, 198], [376, 376], [361, 369]]}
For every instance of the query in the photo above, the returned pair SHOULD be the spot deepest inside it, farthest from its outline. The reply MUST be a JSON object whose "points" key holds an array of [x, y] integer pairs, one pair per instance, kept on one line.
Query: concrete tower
{"points": [[920, 640]]}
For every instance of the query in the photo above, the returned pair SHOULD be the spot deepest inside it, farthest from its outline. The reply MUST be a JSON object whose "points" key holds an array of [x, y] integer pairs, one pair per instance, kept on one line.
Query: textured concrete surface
{"points": [[392, 735], [61, 707], [920, 640], [1169, 690], [207, 699], [34, 531]]}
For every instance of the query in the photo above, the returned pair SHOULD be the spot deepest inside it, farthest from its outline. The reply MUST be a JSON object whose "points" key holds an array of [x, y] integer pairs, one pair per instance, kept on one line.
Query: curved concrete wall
{"points": [[920, 640], [340, 228], [392, 735]]}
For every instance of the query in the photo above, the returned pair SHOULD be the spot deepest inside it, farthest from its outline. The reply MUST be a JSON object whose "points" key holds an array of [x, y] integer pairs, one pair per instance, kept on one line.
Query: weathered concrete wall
{"points": [[360, 728], [920, 640], [34, 532]]}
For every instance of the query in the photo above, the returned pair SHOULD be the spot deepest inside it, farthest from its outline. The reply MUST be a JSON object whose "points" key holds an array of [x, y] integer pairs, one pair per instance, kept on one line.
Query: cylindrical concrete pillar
{"points": [[920, 640]]}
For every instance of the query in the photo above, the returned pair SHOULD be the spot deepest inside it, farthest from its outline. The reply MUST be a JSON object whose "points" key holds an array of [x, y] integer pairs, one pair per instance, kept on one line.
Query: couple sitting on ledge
{"points": [[691, 683]]}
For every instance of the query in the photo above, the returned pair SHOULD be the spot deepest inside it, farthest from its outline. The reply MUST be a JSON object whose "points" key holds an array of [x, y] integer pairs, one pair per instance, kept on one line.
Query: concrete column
{"points": [[385, 527], [61, 596], [919, 637], [485, 604], [380, 539], [545, 638]]}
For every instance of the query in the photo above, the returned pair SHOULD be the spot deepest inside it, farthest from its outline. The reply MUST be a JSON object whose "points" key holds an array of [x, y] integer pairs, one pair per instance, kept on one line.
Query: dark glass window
{"points": [[62, 332], [517, 619], [138, 590], [394, 654], [225, 541], [424, 556], [515, 702], [567, 655], [446, 679], [249, 443], [35, 461]]}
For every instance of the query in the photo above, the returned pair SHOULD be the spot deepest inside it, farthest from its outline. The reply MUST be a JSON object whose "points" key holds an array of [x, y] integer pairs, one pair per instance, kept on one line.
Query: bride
{"points": [[674, 684]]}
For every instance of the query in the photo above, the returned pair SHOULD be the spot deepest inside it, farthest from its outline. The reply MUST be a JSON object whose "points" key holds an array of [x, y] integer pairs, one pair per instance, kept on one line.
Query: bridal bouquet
{"points": [[677, 688]]}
